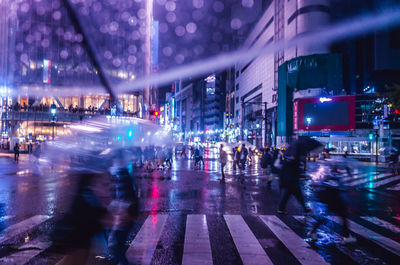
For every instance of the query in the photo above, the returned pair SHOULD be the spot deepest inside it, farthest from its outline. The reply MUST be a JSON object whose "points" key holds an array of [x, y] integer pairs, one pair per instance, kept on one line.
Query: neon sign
{"points": [[324, 99]]}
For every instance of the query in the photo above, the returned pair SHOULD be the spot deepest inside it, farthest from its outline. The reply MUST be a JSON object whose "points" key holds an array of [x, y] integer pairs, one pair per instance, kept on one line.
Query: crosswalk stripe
{"points": [[397, 187], [250, 250], [368, 179], [143, 246], [22, 227], [197, 248], [296, 245], [356, 176], [360, 257], [385, 181], [382, 223], [380, 240], [26, 252]]}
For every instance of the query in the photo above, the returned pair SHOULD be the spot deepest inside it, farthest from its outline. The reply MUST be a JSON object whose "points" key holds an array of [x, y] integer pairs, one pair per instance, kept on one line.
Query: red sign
{"points": [[325, 113]]}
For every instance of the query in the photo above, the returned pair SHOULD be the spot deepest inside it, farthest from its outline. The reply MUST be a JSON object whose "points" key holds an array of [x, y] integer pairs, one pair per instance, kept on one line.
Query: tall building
{"points": [[267, 86], [256, 86]]}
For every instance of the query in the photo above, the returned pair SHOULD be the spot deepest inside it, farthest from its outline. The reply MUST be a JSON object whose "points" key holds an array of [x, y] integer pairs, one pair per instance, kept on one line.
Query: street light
{"points": [[308, 119], [53, 111]]}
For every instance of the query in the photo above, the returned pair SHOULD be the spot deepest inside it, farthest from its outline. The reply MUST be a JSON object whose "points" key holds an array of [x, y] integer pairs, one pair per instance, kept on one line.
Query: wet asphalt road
{"points": [[27, 190]]}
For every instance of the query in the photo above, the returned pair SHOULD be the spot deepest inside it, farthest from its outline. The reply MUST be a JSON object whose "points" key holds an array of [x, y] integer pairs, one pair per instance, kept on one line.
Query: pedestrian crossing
{"points": [[289, 233]]}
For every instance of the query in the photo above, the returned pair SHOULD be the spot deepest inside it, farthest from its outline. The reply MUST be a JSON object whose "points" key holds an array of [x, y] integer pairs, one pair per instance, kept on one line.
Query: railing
{"points": [[44, 116]]}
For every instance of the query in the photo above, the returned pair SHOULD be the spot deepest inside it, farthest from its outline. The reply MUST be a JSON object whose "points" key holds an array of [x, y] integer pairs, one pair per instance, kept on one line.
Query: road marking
{"points": [[378, 239], [197, 248], [368, 179], [360, 257], [385, 181], [143, 246], [382, 223], [296, 245], [250, 250], [357, 176], [22, 227], [397, 187], [26, 252]]}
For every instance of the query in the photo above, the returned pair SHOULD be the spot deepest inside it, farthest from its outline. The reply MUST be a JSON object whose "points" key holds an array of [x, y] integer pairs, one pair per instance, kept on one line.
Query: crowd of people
{"points": [[70, 109], [290, 166]]}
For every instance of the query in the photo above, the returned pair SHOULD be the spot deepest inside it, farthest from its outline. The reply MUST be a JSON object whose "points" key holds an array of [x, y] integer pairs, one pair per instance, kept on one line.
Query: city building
{"points": [[200, 107], [256, 85], [267, 86], [44, 60]]}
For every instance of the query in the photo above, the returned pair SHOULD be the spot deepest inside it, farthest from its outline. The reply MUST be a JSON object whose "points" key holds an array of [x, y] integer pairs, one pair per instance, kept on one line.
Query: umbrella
{"points": [[282, 145], [302, 146]]}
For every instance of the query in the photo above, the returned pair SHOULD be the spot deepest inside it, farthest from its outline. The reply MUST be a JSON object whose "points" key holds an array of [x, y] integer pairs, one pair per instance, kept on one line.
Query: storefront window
{"points": [[365, 147]]}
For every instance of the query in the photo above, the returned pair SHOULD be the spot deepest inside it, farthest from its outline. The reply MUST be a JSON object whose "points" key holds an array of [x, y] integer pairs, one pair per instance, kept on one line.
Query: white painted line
{"points": [[143, 246], [26, 252], [22, 227], [197, 248], [382, 223], [385, 181], [397, 187], [368, 179], [378, 239], [357, 176], [360, 257], [250, 250], [296, 245]]}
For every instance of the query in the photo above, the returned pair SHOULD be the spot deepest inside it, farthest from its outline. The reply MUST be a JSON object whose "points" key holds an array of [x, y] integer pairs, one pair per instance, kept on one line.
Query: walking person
{"points": [[16, 151], [169, 157], [223, 159], [289, 182], [243, 156], [236, 158], [266, 162], [330, 192], [393, 159], [124, 207]]}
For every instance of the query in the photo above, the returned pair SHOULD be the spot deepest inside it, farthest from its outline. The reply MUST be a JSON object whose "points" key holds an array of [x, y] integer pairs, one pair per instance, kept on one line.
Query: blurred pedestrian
{"points": [[223, 159], [243, 156], [124, 206], [198, 158], [266, 163], [393, 160], [73, 233], [330, 192], [16, 151], [183, 153], [236, 158], [169, 157]]}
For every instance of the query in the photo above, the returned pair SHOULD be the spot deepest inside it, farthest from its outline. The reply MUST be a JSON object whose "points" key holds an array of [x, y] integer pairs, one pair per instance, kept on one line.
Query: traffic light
{"points": [[396, 111], [371, 136], [154, 113]]}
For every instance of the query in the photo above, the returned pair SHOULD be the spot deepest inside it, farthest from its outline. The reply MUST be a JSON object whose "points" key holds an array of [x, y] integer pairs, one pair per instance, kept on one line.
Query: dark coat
{"points": [[290, 173]]}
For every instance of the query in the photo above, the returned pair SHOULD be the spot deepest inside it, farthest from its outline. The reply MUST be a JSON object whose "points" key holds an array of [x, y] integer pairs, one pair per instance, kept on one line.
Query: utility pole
{"points": [[376, 146], [266, 123]]}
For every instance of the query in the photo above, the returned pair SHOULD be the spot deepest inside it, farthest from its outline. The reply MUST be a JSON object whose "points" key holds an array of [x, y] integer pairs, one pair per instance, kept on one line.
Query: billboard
{"points": [[324, 113]]}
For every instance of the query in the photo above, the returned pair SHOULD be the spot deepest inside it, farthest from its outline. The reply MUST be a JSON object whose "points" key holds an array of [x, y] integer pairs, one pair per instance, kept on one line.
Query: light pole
{"points": [[308, 119], [53, 111]]}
